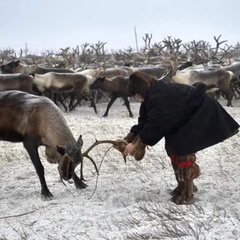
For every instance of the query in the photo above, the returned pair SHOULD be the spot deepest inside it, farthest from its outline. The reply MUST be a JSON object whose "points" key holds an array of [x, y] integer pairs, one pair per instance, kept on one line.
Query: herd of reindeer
{"points": [[26, 117]]}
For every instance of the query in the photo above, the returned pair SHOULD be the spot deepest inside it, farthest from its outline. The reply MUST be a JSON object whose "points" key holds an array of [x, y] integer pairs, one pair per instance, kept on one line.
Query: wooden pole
{"points": [[135, 32]]}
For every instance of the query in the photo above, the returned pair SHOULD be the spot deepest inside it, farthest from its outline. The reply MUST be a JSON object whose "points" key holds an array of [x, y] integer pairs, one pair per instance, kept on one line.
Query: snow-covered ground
{"points": [[126, 201]]}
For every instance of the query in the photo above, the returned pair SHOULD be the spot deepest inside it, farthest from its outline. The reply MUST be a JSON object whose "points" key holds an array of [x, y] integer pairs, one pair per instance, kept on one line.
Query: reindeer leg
{"points": [[89, 97], [78, 182], [60, 99], [229, 95], [71, 105], [112, 100], [126, 101], [93, 104], [33, 153]]}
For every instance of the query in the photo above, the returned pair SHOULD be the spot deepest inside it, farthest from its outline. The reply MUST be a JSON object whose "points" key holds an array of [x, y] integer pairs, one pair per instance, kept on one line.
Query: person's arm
{"points": [[136, 128], [136, 148], [159, 123]]}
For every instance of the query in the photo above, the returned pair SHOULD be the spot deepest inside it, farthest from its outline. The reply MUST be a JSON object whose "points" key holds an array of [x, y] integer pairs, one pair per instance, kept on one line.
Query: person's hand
{"points": [[136, 149], [120, 145], [129, 149]]}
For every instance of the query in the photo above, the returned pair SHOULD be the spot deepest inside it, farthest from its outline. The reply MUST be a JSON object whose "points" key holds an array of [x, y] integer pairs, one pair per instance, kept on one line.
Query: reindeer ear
{"points": [[61, 150], [80, 141]]}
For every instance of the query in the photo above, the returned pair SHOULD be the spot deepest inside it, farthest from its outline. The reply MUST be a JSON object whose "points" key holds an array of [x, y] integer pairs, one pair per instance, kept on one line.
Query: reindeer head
{"points": [[71, 156], [11, 67]]}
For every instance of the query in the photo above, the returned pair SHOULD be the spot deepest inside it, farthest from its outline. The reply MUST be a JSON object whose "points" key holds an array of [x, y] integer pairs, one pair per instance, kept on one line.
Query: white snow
{"points": [[126, 201]]}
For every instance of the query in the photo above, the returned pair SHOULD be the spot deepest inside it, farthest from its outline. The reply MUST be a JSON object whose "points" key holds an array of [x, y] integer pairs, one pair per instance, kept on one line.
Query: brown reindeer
{"points": [[117, 87], [215, 79], [21, 82], [69, 83], [36, 121]]}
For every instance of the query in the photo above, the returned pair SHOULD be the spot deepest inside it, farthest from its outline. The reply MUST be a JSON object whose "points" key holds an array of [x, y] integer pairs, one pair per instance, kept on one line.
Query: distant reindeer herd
{"points": [[82, 73], [218, 67]]}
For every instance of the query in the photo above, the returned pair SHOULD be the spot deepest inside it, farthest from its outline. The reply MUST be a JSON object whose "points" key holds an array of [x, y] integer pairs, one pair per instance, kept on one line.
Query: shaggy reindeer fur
{"points": [[36, 121], [21, 82]]}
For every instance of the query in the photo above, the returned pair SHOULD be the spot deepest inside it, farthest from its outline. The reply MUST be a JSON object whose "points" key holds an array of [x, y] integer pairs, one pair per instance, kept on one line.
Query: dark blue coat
{"points": [[188, 118]]}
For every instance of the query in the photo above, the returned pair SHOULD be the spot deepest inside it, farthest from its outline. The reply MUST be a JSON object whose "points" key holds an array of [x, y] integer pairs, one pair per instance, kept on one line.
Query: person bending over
{"points": [[186, 116]]}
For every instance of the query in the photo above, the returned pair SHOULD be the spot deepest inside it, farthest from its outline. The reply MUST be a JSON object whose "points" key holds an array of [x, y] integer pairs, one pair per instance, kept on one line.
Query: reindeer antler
{"points": [[117, 144]]}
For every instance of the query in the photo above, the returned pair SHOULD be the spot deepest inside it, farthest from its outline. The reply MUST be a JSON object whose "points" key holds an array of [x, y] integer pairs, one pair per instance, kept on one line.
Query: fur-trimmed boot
{"points": [[185, 170]]}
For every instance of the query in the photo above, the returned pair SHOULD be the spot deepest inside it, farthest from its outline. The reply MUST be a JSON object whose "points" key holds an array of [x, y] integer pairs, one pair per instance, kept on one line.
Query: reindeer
{"points": [[21, 82], [93, 74], [115, 71], [214, 78], [234, 68], [36, 121], [218, 79], [17, 66], [69, 83], [111, 72], [157, 71], [117, 87]]}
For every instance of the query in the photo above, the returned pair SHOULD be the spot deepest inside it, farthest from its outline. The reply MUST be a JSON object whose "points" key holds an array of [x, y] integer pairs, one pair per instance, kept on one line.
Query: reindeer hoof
{"points": [[46, 194], [80, 184], [83, 185]]}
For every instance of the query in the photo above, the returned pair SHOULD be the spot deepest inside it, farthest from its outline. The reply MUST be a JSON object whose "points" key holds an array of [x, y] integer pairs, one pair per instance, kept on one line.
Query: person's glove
{"points": [[120, 145], [130, 137], [139, 150]]}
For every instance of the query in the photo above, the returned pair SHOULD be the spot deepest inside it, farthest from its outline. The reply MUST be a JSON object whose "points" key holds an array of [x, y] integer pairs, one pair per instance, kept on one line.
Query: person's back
{"points": [[188, 118], [176, 101]]}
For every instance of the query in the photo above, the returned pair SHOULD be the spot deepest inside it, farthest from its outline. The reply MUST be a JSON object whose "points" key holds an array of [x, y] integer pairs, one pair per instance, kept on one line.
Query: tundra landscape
{"points": [[125, 201], [82, 56]]}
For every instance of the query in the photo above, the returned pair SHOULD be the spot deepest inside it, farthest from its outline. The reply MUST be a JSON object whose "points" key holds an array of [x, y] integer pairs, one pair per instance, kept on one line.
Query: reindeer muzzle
{"points": [[66, 167]]}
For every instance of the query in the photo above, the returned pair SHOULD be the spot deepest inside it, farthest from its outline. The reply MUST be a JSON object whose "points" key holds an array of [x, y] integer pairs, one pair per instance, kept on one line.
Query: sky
{"points": [[126, 201], [52, 24]]}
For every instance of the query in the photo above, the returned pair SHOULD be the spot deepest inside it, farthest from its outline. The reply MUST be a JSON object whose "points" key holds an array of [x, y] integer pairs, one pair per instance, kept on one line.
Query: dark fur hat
{"points": [[139, 83]]}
